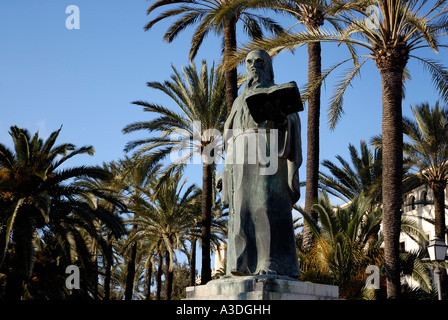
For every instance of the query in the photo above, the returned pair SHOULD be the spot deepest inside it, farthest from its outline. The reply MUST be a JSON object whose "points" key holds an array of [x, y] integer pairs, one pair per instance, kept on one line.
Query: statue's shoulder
{"points": [[239, 99], [238, 103]]}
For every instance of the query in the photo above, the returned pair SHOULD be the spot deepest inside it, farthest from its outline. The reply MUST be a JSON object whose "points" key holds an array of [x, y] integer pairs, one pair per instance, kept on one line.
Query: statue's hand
{"points": [[278, 116], [282, 120]]}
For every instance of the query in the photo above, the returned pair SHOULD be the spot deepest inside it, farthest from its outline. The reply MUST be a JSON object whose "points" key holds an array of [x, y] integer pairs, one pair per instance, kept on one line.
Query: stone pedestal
{"points": [[261, 287]]}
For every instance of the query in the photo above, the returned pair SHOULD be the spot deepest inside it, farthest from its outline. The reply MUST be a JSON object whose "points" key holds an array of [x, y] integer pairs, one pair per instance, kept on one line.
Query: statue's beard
{"points": [[257, 78]]}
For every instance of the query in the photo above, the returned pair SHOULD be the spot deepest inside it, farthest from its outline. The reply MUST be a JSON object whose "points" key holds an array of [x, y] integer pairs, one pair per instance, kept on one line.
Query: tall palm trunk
{"points": [[96, 273], [439, 209], [312, 157], [95, 282], [169, 275], [148, 281], [159, 276], [130, 272], [206, 274], [438, 189], [108, 267], [392, 175], [231, 76], [16, 275], [193, 261], [313, 19]]}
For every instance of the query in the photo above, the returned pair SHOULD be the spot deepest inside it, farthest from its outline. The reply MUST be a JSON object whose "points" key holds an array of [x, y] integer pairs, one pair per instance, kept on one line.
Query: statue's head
{"points": [[259, 68]]}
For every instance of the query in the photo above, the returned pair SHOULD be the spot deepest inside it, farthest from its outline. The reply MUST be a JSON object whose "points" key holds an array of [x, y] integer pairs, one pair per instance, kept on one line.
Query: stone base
{"points": [[262, 287]]}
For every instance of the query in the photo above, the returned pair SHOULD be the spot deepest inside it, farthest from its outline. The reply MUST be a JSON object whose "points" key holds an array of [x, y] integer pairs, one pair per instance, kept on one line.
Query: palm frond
{"points": [[413, 266], [6, 157], [9, 227], [439, 74], [89, 150], [313, 225], [335, 108]]}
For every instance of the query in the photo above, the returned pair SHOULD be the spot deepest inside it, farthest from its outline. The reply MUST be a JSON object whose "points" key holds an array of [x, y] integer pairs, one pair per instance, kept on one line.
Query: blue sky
{"points": [[86, 79]]}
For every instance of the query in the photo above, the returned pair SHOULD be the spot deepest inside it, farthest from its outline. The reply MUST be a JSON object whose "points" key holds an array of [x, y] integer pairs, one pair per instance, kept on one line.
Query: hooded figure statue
{"points": [[260, 180]]}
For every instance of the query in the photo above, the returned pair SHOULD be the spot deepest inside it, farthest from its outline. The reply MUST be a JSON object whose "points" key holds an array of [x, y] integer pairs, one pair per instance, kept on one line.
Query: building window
{"points": [[424, 198], [412, 202]]}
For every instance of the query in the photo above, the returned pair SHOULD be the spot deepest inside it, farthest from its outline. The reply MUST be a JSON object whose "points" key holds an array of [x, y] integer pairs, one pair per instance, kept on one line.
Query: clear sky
{"points": [[85, 79]]}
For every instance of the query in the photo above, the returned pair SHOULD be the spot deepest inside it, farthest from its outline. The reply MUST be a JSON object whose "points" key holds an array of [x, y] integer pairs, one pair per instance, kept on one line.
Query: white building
{"points": [[418, 204]]}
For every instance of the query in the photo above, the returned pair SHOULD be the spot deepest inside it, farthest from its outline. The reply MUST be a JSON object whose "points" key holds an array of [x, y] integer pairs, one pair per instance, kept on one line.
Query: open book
{"points": [[263, 102]]}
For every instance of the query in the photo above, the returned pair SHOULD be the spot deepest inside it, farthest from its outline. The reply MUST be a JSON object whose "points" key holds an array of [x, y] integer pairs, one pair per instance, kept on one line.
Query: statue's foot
{"points": [[269, 271]]}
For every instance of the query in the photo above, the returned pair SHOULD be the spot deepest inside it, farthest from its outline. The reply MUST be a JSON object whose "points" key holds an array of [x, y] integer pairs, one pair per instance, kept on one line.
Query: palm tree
{"points": [[313, 18], [132, 176], [402, 27], [344, 246], [218, 232], [125, 179], [427, 150], [363, 176], [194, 235], [349, 181], [206, 15], [166, 219], [201, 100], [38, 195]]}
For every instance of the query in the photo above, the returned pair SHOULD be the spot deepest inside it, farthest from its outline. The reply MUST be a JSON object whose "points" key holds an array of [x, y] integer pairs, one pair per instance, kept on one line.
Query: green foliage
{"points": [[41, 202], [199, 96], [349, 180], [348, 241], [166, 217], [427, 149]]}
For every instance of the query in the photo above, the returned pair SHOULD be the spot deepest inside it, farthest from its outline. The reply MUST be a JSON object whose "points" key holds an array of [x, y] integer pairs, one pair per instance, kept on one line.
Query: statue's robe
{"points": [[260, 234]]}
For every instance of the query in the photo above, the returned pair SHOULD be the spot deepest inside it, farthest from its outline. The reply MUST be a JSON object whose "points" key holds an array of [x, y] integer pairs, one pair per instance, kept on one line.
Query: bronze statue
{"points": [[260, 181]]}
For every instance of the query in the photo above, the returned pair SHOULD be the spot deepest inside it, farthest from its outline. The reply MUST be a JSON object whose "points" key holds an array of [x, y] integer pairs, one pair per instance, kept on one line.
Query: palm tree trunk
{"points": [[148, 281], [108, 267], [16, 271], [440, 225], [96, 273], [206, 274], [392, 132], [130, 273], [159, 276], [193, 261], [312, 158], [231, 76], [439, 209], [169, 274]]}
